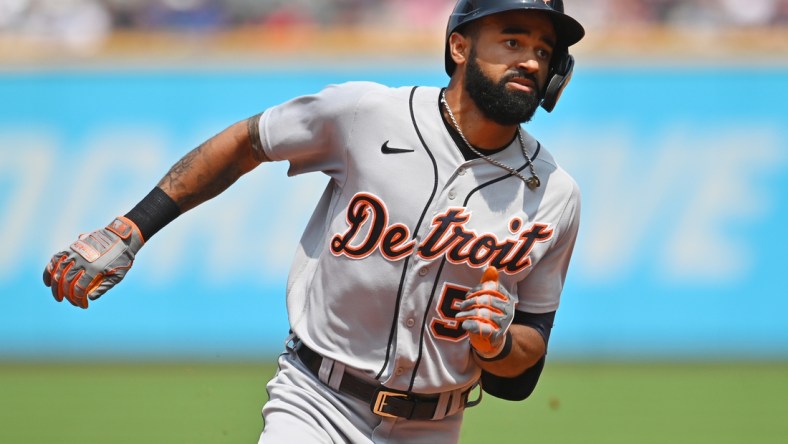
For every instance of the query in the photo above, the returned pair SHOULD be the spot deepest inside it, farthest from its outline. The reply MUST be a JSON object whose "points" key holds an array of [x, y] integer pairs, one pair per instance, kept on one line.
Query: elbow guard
{"points": [[521, 387], [513, 389]]}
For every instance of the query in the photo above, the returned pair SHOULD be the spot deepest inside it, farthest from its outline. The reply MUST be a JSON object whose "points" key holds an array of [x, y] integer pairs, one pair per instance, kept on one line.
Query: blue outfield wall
{"points": [[682, 250]]}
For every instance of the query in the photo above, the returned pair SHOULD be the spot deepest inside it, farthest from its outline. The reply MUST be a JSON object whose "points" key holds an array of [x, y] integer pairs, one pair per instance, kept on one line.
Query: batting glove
{"points": [[486, 314], [94, 263]]}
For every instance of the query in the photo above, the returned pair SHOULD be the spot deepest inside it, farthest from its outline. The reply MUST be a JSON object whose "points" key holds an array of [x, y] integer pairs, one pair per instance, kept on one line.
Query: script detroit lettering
{"points": [[369, 231]]}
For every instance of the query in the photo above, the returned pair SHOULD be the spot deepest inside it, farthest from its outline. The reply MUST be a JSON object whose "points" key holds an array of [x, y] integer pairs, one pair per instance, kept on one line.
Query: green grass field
{"points": [[574, 403]]}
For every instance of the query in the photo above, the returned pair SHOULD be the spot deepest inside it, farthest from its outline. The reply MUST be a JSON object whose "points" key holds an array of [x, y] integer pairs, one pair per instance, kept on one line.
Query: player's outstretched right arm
{"points": [[96, 262], [213, 166]]}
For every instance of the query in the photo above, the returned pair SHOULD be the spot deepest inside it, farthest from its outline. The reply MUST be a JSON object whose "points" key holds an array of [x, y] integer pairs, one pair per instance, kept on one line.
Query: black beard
{"points": [[494, 100]]}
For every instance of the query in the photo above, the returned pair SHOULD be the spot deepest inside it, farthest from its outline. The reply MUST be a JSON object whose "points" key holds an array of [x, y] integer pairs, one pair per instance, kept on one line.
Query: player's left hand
{"points": [[486, 314]]}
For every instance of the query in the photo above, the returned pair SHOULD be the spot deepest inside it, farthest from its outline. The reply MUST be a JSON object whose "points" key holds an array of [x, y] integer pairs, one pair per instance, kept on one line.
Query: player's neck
{"points": [[480, 131]]}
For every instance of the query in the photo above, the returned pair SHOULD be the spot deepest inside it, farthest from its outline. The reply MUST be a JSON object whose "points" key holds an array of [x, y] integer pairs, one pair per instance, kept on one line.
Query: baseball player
{"points": [[434, 261]]}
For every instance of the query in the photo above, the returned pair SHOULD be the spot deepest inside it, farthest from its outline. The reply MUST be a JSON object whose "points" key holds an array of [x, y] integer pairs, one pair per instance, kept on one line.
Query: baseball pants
{"points": [[302, 409]]}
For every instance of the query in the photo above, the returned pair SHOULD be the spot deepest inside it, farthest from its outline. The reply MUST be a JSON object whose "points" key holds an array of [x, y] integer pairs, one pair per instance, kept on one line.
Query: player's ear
{"points": [[459, 48]]}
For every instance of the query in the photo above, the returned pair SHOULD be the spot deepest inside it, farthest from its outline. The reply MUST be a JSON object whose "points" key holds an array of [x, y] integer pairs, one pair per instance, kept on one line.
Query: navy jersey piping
{"points": [[443, 263], [406, 262]]}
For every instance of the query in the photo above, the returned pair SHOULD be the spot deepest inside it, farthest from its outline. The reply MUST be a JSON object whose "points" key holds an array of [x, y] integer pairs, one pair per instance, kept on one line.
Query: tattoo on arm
{"points": [[253, 125], [189, 185], [212, 167]]}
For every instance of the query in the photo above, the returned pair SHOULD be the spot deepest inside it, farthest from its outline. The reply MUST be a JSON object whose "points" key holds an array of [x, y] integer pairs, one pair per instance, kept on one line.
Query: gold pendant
{"points": [[533, 182]]}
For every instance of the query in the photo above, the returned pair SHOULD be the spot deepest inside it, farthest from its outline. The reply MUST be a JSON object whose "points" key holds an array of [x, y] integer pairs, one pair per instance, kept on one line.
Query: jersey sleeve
{"points": [[540, 291], [313, 132]]}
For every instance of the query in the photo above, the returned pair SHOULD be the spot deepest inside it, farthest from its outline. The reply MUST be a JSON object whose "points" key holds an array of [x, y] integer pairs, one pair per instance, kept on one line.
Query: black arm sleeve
{"points": [[521, 387]]}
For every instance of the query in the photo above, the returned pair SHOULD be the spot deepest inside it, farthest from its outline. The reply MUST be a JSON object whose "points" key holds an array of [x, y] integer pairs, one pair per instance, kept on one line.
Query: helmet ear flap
{"points": [[560, 75]]}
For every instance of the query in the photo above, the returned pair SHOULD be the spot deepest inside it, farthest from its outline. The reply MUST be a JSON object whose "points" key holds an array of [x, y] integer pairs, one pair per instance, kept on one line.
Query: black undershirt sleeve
{"points": [[521, 387]]}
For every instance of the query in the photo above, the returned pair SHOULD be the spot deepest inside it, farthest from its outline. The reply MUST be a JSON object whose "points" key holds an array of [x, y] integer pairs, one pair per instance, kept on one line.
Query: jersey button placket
{"points": [[452, 194]]}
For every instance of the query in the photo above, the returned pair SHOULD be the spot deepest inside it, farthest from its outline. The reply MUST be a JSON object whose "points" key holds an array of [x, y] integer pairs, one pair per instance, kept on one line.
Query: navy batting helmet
{"points": [[568, 30]]}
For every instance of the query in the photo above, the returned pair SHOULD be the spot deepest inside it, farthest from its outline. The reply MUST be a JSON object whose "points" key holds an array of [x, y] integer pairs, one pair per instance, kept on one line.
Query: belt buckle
{"points": [[380, 402]]}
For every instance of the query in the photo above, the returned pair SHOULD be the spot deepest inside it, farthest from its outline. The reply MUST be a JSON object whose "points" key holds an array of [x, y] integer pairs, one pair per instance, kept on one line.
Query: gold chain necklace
{"points": [[533, 182]]}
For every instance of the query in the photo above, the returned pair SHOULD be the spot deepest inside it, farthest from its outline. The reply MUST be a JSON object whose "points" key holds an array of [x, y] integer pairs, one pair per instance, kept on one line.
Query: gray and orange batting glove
{"points": [[94, 263], [486, 314]]}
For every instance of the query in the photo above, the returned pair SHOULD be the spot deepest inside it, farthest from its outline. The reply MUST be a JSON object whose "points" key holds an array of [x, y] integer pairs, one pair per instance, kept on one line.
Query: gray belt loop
{"points": [[336, 375], [444, 405], [291, 342], [325, 370]]}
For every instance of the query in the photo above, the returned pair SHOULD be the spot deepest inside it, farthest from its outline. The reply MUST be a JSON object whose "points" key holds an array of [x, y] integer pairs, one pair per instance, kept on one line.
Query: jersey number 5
{"points": [[446, 326]]}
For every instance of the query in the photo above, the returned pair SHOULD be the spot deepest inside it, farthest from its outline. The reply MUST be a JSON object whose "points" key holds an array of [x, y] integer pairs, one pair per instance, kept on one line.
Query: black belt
{"points": [[382, 401]]}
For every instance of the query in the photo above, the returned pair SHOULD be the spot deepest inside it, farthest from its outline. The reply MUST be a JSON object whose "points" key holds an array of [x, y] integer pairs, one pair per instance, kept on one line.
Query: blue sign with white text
{"points": [[681, 253]]}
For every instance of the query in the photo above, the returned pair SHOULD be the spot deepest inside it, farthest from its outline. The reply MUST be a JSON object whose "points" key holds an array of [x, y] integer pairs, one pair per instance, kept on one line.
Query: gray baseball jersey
{"points": [[405, 226]]}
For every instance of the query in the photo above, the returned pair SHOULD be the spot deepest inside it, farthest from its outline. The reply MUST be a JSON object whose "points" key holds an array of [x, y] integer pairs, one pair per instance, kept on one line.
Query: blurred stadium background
{"points": [[674, 321]]}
